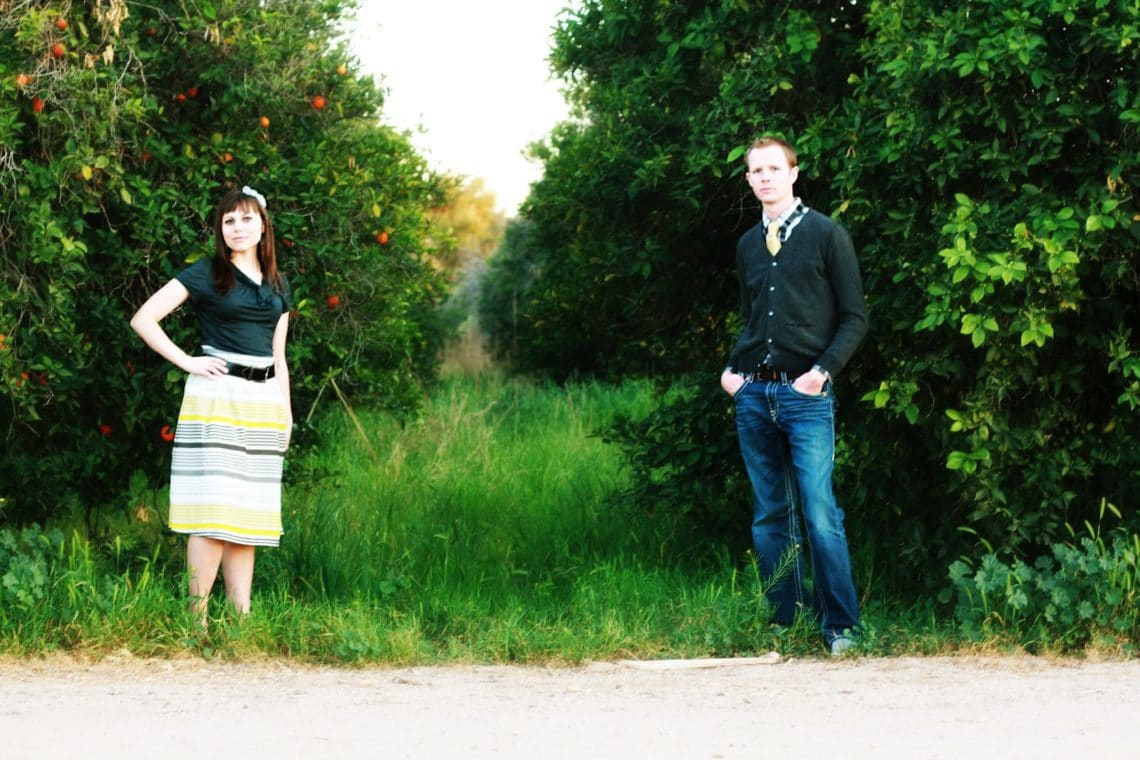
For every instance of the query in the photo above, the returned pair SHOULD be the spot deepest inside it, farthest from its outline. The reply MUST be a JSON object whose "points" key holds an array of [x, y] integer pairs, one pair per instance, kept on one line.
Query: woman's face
{"points": [[242, 229]]}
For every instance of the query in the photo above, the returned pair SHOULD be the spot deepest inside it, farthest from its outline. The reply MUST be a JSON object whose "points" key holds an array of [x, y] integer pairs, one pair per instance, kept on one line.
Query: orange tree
{"points": [[120, 126]]}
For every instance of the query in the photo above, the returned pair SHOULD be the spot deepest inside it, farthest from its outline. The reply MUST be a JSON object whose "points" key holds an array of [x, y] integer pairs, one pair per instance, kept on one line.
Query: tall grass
{"points": [[498, 486], [491, 529]]}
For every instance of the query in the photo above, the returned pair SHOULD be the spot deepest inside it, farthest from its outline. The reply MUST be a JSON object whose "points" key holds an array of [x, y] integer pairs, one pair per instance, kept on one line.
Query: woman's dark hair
{"points": [[223, 268]]}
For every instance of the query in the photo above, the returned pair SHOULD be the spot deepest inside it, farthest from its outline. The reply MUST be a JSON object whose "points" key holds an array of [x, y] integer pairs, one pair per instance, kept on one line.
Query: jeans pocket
{"points": [[740, 390], [825, 393]]}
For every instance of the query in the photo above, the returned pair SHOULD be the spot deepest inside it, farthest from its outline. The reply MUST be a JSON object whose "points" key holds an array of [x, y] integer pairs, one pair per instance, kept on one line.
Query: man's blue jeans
{"points": [[787, 439]]}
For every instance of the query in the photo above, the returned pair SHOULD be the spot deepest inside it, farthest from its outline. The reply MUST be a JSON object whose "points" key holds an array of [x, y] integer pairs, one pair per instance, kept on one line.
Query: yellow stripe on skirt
{"points": [[229, 446]]}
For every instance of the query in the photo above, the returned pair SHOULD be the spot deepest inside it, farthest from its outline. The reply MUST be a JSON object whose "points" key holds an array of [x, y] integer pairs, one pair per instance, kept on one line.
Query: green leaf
{"points": [[911, 413]]}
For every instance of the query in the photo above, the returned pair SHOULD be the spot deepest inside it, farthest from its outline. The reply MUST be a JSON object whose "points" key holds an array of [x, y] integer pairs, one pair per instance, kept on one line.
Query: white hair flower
{"points": [[247, 190]]}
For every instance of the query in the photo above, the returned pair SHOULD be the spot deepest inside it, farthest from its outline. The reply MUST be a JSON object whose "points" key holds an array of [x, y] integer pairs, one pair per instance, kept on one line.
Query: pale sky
{"points": [[474, 74]]}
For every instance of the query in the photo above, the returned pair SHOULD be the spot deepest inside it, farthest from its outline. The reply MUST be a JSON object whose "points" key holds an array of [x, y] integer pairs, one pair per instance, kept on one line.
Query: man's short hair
{"points": [[769, 140]]}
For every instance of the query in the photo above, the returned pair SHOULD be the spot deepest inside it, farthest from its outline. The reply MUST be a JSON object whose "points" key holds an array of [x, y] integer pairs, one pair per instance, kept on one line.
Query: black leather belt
{"points": [[256, 374], [767, 373]]}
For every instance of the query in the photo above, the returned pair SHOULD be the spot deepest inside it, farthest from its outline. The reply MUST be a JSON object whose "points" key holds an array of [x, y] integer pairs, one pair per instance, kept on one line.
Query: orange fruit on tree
{"points": [[167, 433], [382, 237], [58, 50], [333, 301], [38, 104], [264, 122], [342, 69], [319, 102], [23, 80], [61, 23], [106, 430]]}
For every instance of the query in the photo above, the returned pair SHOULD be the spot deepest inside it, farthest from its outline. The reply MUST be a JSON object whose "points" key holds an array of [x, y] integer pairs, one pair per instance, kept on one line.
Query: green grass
{"points": [[492, 529], [498, 487]]}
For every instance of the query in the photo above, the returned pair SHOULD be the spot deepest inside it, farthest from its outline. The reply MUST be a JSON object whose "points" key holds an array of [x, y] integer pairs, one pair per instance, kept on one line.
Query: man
{"points": [[801, 299]]}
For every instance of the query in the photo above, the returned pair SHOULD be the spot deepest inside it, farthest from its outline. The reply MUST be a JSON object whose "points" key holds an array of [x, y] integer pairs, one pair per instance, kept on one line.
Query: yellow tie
{"points": [[773, 239]]}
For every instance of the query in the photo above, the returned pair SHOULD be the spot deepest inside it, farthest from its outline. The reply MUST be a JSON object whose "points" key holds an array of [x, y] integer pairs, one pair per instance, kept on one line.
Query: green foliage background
{"points": [[111, 159], [984, 156]]}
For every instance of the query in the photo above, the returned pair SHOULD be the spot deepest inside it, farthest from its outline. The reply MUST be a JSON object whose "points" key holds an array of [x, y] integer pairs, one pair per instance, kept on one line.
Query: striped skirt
{"points": [[225, 472]]}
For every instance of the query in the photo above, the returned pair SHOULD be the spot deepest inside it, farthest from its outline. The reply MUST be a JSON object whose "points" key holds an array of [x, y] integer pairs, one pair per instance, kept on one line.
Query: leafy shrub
{"points": [[685, 463], [1080, 593], [26, 558], [993, 194]]}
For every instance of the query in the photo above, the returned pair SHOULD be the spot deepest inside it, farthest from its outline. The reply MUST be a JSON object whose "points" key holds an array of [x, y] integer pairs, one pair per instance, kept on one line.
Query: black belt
{"points": [[256, 374], [766, 372]]}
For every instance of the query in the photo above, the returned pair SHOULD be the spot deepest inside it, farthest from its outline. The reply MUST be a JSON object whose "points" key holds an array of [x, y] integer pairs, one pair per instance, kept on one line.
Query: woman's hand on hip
{"points": [[211, 367]]}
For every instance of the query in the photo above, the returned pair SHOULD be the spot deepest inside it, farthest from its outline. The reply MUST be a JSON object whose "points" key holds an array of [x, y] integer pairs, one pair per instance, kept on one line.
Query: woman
{"points": [[235, 422]]}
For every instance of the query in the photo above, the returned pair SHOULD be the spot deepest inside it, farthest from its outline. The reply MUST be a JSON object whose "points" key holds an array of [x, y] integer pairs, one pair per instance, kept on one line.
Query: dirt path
{"points": [[854, 708]]}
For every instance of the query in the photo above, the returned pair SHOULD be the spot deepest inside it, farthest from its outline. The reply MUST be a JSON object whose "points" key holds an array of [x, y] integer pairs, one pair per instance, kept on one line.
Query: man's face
{"points": [[771, 177]]}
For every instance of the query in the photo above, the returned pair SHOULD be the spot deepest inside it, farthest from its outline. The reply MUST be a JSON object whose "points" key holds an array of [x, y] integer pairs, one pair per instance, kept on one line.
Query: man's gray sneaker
{"points": [[840, 644]]}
